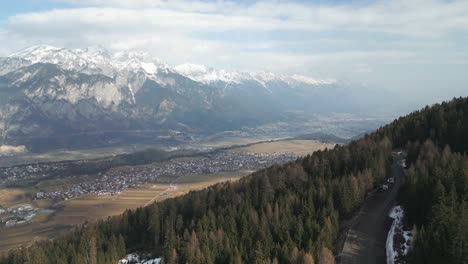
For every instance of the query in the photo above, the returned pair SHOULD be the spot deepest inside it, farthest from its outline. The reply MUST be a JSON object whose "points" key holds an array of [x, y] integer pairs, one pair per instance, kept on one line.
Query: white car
{"points": [[391, 180]]}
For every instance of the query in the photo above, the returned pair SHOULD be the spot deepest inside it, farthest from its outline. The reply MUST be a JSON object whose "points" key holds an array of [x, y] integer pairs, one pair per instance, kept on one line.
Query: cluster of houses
{"points": [[17, 215], [118, 179], [28, 172], [226, 162]]}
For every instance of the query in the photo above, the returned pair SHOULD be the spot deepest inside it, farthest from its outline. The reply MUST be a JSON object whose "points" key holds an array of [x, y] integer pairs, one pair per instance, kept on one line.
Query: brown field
{"points": [[299, 147], [93, 207], [14, 196], [25, 234]]}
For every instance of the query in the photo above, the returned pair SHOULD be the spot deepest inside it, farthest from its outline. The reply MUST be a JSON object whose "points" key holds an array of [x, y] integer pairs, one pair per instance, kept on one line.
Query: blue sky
{"points": [[418, 48], [15, 7]]}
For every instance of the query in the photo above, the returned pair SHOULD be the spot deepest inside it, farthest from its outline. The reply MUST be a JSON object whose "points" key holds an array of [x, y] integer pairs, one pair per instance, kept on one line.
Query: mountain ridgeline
{"points": [[292, 213], [56, 97]]}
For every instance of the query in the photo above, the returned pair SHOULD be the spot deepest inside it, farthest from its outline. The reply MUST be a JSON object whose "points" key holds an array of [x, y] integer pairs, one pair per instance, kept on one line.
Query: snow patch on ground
{"points": [[399, 241], [139, 259]]}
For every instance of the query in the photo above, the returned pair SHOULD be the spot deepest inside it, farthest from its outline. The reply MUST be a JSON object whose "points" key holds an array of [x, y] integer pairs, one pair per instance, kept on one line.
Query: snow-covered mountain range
{"points": [[119, 65], [208, 75], [48, 94]]}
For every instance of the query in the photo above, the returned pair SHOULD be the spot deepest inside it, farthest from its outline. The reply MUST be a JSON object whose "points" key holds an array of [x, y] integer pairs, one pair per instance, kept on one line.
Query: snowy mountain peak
{"points": [[137, 66], [206, 74], [35, 53], [209, 75], [135, 60], [93, 60]]}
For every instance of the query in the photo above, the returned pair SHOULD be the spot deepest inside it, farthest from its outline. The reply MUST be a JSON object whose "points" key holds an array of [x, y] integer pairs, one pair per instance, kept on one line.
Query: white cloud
{"points": [[182, 5]]}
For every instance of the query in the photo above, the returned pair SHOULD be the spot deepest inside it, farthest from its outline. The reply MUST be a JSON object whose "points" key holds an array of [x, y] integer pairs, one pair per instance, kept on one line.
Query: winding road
{"points": [[365, 240]]}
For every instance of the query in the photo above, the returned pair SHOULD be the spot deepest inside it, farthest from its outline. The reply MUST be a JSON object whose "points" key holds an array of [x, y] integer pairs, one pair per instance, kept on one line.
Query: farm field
{"points": [[13, 196]]}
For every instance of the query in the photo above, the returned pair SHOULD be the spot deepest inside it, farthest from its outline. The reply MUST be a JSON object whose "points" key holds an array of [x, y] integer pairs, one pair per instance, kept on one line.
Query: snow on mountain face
{"points": [[35, 53], [128, 68], [129, 71], [131, 60], [132, 68], [92, 60], [208, 75], [191, 69], [11, 64], [307, 80]]}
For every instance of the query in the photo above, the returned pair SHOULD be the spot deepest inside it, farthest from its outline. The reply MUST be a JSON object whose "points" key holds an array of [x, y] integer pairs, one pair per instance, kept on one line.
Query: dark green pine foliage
{"points": [[435, 198]]}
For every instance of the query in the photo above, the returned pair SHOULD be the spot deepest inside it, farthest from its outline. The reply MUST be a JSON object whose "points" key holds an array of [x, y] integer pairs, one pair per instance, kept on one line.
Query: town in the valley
{"points": [[119, 179]]}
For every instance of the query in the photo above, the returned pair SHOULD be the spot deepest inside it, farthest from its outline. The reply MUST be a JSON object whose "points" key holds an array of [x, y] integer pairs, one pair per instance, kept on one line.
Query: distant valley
{"points": [[58, 98]]}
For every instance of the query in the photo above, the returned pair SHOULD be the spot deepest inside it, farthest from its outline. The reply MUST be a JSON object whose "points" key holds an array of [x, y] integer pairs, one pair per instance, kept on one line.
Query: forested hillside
{"points": [[444, 124], [435, 199], [435, 194], [292, 213]]}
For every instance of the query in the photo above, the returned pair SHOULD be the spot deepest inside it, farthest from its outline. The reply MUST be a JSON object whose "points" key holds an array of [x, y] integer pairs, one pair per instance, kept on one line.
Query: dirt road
{"points": [[365, 240]]}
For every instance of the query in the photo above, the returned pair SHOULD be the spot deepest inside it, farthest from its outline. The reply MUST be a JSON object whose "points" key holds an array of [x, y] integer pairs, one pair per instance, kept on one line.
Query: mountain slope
{"points": [[46, 101]]}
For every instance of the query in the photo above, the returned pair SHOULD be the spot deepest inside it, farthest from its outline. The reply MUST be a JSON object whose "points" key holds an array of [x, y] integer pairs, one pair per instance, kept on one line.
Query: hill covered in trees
{"points": [[292, 213], [435, 194]]}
